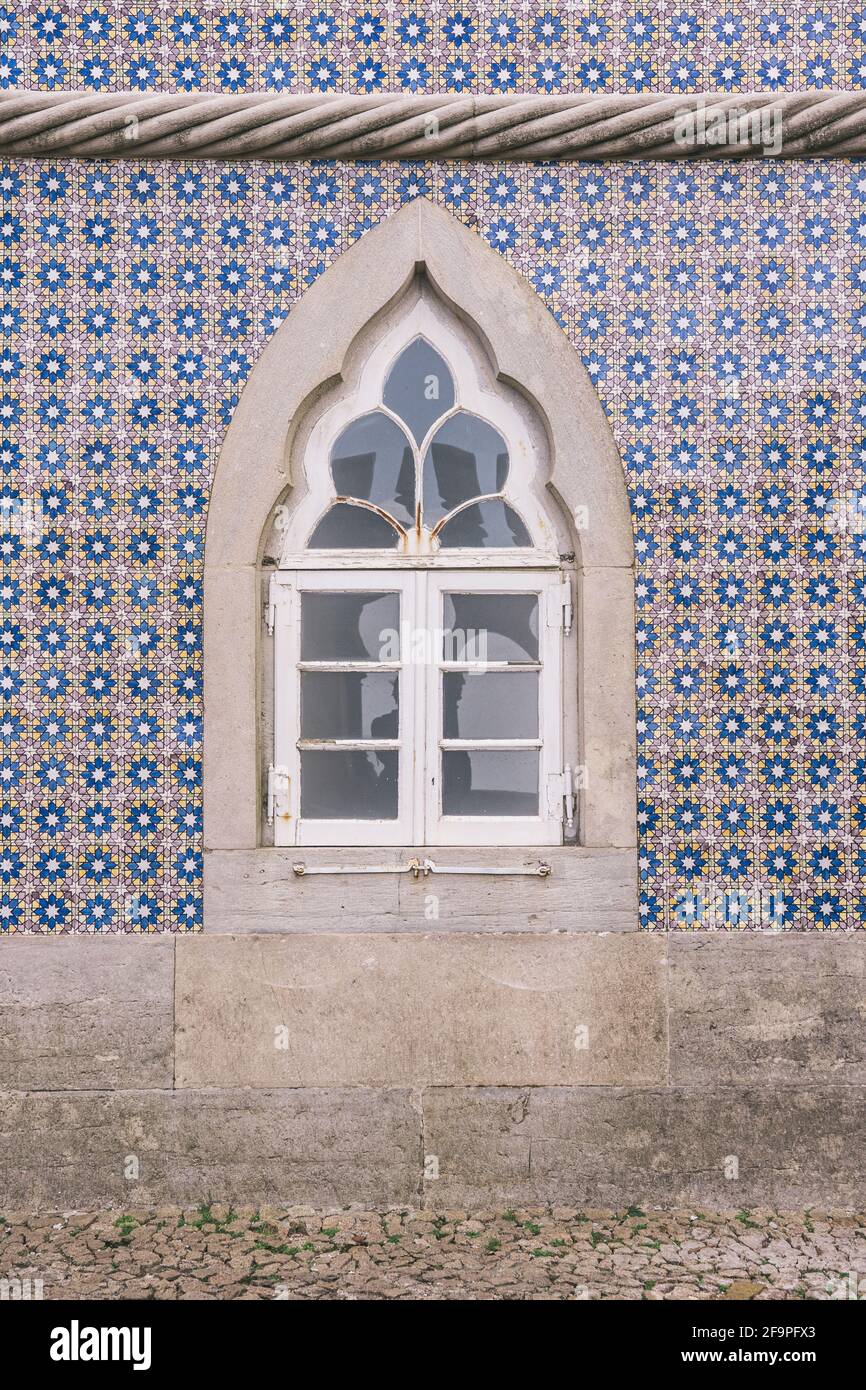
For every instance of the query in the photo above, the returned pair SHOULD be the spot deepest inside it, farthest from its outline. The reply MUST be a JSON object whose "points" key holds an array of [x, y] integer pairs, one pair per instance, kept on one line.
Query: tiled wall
{"points": [[719, 309], [429, 46]]}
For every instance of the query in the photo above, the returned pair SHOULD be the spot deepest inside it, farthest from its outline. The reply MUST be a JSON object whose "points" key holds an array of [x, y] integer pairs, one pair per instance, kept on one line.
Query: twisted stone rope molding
{"points": [[262, 125]]}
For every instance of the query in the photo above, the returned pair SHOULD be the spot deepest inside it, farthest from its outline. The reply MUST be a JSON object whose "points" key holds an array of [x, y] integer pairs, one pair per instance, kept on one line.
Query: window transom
{"points": [[420, 461]]}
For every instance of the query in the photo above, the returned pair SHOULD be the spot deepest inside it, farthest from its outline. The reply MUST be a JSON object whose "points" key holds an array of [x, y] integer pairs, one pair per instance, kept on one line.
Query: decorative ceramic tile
{"points": [[719, 309], [578, 45]]}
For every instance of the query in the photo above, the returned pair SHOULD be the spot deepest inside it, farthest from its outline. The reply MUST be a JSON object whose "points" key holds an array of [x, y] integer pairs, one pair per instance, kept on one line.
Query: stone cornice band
{"points": [[263, 125]]}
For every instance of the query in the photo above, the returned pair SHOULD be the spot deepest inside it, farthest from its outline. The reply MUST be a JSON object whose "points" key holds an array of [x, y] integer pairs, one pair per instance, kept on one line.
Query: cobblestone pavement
{"points": [[217, 1252]]}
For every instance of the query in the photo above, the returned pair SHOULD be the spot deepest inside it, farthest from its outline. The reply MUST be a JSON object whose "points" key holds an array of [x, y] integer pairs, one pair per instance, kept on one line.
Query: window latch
{"points": [[421, 868]]}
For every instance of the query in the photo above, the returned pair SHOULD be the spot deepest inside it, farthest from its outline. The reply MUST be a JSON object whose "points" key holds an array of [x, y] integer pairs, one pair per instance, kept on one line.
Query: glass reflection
{"points": [[490, 782], [373, 460], [347, 626], [485, 525], [490, 704], [466, 458], [343, 784], [419, 387], [344, 527], [349, 704], [508, 622]]}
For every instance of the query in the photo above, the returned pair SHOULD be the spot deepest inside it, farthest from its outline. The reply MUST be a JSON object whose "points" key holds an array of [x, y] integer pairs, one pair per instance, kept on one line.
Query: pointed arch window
{"points": [[419, 280], [420, 612]]}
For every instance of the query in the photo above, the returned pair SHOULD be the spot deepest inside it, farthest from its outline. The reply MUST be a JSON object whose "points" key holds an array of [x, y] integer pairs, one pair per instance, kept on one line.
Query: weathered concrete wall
{"points": [[421, 1011], [448, 1069]]}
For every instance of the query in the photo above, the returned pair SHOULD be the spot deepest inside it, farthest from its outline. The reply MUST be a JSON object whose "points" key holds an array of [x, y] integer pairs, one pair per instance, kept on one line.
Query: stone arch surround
{"points": [[254, 472]]}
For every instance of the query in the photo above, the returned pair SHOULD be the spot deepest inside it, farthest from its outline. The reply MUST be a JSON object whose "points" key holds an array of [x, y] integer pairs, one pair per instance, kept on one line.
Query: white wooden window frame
{"points": [[546, 827], [419, 743], [289, 827]]}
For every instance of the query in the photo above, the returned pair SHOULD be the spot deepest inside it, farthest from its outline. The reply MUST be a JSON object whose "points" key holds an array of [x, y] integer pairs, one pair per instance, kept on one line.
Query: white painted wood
{"points": [[420, 743], [546, 827], [283, 600], [289, 826], [445, 559]]}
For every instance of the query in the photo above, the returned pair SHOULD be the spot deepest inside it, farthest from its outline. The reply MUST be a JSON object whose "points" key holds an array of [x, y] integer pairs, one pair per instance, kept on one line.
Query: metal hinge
{"points": [[568, 797], [278, 786], [561, 799], [561, 611], [271, 605]]}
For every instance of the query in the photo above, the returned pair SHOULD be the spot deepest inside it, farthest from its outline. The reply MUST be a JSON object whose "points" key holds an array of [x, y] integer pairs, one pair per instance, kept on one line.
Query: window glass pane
{"points": [[492, 704], [419, 387], [349, 704], [491, 627], [373, 460], [485, 524], [338, 784], [489, 782], [467, 458], [349, 626], [344, 527]]}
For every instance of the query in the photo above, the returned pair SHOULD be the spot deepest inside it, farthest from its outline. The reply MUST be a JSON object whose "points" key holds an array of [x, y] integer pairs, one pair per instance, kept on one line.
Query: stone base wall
{"points": [[714, 1070]]}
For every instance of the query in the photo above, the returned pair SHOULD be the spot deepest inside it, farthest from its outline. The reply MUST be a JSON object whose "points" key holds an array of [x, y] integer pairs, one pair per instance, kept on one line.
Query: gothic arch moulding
{"points": [[307, 359]]}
